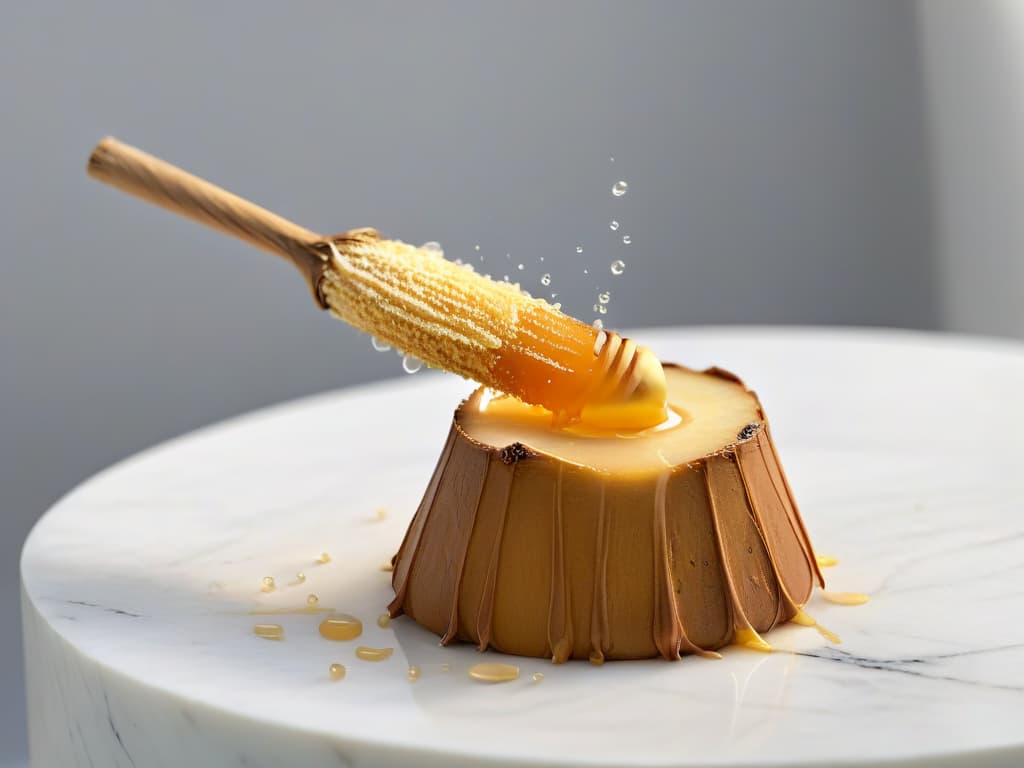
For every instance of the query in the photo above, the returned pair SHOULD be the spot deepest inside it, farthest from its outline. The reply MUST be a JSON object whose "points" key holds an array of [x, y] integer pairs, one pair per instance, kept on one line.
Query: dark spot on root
{"points": [[510, 454], [748, 431]]}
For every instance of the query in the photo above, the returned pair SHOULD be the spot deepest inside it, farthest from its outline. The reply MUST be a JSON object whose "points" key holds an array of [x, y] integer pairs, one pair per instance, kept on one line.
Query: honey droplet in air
{"points": [[312, 601], [268, 584], [493, 672], [537, 677], [845, 598], [341, 626], [373, 654], [384, 621], [414, 673], [826, 561], [269, 631], [336, 671]]}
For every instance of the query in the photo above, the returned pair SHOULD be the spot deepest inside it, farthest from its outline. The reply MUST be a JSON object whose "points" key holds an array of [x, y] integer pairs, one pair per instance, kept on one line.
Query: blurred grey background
{"points": [[788, 162]]}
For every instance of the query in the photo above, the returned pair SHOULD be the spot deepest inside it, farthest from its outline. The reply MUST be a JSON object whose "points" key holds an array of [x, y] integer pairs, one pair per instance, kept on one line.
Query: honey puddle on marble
{"points": [[493, 672], [341, 626], [373, 654], [748, 638], [845, 598]]}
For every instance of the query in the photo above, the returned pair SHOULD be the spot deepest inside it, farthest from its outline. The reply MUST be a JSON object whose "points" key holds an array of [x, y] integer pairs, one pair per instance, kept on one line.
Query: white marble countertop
{"points": [[905, 454]]}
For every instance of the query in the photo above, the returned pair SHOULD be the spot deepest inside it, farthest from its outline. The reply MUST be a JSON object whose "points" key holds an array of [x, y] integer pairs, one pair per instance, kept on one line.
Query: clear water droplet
{"points": [[613, 225], [520, 267], [627, 239], [596, 308], [504, 278], [598, 324], [579, 249], [411, 364], [603, 297], [619, 188], [545, 279], [611, 159], [508, 255], [586, 271], [433, 246], [379, 344], [476, 247], [602, 309], [542, 258], [618, 267]]}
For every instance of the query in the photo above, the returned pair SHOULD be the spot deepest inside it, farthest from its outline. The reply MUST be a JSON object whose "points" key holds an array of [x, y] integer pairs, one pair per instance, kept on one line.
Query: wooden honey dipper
{"points": [[415, 300]]}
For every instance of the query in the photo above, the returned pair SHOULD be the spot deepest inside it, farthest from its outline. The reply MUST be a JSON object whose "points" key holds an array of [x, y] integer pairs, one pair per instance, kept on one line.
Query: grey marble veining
{"points": [[902, 451]]}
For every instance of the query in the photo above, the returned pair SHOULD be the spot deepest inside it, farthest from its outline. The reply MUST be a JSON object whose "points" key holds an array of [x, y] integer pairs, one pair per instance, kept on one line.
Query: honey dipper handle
{"points": [[133, 171]]}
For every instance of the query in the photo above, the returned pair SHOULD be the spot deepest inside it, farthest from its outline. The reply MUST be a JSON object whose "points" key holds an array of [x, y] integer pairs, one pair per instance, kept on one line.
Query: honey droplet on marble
{"points": [[324, 558], [300, 577], [373, 654], [413, 674], [268, 584], [336, 671], [312, 601], [537, 677], [494, 672], [384, 621], [748, 638], [387, 567], [380, 514], [826, 561], [341, 626], [596, 658], [269, 631], [845, 598]]}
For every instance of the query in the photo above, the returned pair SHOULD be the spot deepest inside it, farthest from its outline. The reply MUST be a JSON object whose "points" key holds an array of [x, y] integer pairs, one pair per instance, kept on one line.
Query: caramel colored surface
{"points": [[530, 553]]}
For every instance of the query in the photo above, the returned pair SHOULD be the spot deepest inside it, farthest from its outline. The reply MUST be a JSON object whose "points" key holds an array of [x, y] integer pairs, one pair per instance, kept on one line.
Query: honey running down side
{"points": [[564, 543]]}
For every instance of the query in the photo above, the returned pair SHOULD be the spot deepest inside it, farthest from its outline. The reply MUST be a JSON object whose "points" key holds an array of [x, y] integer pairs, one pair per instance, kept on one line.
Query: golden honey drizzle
{"points": [[494, 672], [748, 638], [269, 631], [384, 621], [341, 626], [336, 672], [805, 620], [373, 654], [826, 561], [845, 598]]}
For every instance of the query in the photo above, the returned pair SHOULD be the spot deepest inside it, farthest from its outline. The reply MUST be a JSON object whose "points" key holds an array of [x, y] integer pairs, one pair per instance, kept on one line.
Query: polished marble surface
{"points": [[903, 450]]}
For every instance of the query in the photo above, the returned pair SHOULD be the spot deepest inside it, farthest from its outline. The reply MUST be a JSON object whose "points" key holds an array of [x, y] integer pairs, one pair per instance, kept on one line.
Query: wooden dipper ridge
{"points": [[417, 301]]}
